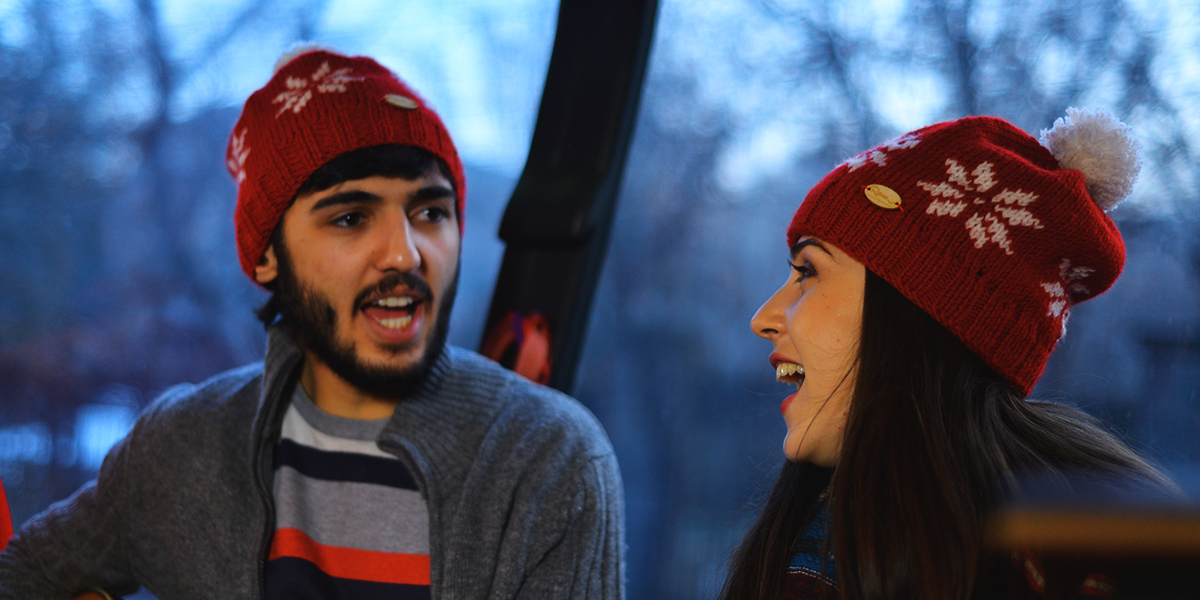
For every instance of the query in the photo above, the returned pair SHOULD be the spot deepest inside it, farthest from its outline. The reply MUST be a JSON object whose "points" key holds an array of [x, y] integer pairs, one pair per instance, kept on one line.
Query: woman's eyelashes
{"points": [[804, 269]]}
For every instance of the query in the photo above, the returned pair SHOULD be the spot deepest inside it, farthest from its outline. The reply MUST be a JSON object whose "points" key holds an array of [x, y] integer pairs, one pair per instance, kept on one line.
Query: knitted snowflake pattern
{"points": [[1066, 290], [324, 81], [962, 190], [236, 161], [879, 155]]}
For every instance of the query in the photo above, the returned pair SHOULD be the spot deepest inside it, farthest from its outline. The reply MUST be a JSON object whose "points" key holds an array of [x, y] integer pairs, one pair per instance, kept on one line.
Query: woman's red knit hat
{"points": [[992, 233], [317, 106]]}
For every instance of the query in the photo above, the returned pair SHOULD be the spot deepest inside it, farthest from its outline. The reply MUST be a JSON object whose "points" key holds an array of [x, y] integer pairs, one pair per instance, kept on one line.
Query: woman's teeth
{"points": [[789, 373]]}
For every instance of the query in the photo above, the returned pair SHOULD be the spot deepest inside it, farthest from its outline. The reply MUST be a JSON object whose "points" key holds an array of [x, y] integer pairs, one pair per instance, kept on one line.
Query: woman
{"points": [[929, 279]]}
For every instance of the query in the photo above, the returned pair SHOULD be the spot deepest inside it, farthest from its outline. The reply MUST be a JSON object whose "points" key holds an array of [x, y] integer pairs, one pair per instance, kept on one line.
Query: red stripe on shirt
{"points": [[352, 563]]}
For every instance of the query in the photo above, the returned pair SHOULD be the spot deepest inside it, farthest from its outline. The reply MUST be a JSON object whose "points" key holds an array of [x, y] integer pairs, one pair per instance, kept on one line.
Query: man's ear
{"points": [[267, 268]]}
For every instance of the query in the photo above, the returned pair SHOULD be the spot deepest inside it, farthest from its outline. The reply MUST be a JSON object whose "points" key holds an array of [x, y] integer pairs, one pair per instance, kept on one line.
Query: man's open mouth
{"points": [[393, 311]]}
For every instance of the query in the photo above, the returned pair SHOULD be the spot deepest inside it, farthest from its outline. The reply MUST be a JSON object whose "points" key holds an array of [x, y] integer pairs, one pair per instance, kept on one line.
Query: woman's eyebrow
{"points": [[800, 245]]}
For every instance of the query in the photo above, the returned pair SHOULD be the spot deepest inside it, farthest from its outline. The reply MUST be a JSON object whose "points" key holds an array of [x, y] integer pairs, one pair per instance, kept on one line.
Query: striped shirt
{"points": [[350, 521], [810, 572]]}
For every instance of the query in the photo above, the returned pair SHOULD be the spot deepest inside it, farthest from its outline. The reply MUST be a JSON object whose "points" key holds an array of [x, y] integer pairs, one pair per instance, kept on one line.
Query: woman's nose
{"points": [[769, 320]]}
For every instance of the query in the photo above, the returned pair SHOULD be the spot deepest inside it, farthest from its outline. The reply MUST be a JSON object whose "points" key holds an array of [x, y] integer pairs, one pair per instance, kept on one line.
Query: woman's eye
{"points": [[805, 270]]}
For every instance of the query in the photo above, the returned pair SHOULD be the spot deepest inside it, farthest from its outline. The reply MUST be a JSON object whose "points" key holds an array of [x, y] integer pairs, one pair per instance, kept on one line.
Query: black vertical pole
{"points": [[558, 220]]}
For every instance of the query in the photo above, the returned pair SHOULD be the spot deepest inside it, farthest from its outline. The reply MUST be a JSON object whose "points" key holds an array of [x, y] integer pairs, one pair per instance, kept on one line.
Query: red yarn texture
{"points": [[317, 107], [992, 238]]}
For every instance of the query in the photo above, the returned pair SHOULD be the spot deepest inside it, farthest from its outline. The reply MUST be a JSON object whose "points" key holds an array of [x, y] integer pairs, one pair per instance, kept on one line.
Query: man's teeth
{"points": [[394, 301], [397, 323], [788, 371]]}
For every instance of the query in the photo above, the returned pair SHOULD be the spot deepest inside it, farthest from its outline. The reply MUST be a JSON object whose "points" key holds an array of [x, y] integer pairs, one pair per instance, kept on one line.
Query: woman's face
{"points": [[814, 321]]}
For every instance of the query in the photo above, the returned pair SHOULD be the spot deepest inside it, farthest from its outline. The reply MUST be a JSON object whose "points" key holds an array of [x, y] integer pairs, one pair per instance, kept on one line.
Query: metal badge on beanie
{"points": [[992, 233], [317, 106]]}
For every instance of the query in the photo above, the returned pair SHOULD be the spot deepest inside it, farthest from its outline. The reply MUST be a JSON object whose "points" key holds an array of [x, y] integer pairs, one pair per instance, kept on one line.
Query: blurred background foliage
{"points": [[118, 272]]}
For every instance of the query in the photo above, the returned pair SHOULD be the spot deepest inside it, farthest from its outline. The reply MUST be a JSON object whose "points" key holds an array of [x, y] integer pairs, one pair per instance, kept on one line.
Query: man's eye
{"points": [[433, 214], [349, 220]]}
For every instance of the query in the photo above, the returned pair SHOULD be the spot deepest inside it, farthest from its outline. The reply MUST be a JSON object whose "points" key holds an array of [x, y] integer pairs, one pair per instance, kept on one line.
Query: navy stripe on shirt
{"points": [[343, 466], [290, 578]]}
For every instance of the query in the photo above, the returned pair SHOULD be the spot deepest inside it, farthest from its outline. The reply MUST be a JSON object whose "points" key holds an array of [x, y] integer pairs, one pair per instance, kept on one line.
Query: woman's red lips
{"points": [[777, 358], [783, 406]]}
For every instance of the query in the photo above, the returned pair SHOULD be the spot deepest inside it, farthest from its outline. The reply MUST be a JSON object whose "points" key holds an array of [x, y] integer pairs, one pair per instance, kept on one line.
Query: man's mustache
{"points": [[392, 281]]}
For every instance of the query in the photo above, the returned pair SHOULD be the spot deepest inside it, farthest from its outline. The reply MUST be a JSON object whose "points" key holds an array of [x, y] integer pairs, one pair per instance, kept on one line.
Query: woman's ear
{"points": [[267, 268]]}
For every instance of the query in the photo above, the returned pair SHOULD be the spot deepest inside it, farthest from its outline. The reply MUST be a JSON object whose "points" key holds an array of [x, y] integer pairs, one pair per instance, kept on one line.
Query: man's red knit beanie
{"points": [[317, 106], [992, 233]]}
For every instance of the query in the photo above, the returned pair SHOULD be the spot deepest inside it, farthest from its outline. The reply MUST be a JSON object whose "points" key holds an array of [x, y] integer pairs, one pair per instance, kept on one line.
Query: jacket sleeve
{"points": [[74, 545], [588, 562]]}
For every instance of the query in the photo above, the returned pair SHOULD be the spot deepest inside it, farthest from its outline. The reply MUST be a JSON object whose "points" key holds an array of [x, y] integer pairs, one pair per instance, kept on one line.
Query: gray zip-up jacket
{"points": [[523, 490]]}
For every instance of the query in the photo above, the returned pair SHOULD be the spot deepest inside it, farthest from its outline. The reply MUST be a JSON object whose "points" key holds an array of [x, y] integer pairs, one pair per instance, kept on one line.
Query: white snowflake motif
{"points": [[962, 189], [323, 80], [879, 155], [1065, 290], [238, 151]]}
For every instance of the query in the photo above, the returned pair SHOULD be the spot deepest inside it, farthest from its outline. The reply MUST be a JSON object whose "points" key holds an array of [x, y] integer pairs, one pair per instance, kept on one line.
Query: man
{"points": [[363, 458]]}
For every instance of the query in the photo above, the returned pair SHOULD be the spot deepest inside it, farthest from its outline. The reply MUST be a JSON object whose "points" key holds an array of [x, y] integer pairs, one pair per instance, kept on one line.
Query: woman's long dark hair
{"points": [[933, 437]]}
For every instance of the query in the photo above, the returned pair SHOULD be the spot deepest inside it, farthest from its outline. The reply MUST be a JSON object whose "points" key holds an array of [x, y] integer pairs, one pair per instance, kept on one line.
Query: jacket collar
{"points": [[282, 366]]}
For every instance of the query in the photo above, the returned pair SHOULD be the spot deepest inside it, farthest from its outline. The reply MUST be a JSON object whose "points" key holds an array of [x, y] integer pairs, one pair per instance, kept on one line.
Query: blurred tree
{"points": [[118, 265], [107, 212], [119, 269], [747, 105]]}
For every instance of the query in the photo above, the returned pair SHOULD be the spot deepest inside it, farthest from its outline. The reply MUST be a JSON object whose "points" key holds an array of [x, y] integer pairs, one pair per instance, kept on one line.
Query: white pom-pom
{"points": [[295, 51], [1100, 146]]}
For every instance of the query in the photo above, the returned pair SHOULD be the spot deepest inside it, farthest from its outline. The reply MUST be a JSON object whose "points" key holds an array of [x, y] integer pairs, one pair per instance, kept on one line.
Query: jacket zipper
{"points": [[263, 448]]}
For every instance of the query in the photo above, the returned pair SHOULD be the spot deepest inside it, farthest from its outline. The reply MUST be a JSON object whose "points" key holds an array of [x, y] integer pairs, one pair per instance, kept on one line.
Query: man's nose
{"points": [[397, 247]]}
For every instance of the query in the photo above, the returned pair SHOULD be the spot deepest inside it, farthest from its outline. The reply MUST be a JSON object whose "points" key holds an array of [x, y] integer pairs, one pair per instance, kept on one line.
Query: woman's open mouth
{"points": [[787, 372], [790, 373]]}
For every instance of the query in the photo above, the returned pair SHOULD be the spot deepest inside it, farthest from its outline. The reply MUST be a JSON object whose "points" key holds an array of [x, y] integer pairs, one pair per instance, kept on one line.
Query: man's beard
{"points": [[313, 320]]}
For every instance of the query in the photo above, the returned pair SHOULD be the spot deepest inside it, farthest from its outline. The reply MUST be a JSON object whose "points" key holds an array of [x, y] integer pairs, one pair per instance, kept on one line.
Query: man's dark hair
{"points": [[386, 160]]}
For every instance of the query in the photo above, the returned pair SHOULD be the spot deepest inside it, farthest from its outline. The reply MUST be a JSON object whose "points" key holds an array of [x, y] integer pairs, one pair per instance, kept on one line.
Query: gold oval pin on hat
{"points": [[400, 101], [882, 196]]}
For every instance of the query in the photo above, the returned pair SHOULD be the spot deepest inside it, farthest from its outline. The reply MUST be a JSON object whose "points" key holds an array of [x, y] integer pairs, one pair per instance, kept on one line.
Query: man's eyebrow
{"points": [[347, 197], [800, 245], [432, 192]]}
